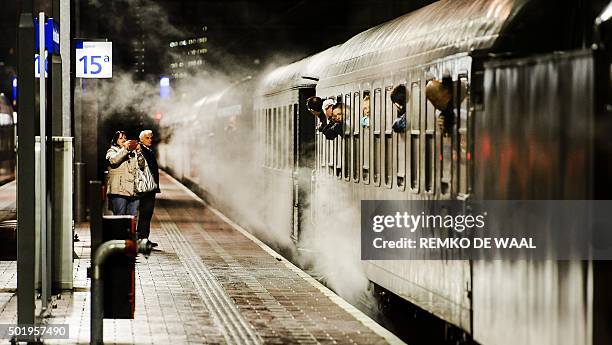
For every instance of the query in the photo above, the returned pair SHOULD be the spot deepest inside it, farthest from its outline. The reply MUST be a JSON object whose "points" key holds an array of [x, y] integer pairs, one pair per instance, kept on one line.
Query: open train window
{"points": [[365, 135], [322, 153], [355, 170], [388, 141], [400, 163], [376, 146], [415, 135], [464, 127], [331, 153], [446, 154], [346, 122]]}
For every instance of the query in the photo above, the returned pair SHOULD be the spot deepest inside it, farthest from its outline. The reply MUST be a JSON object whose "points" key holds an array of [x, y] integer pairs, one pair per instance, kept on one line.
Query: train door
{"points": [[304, 158]]}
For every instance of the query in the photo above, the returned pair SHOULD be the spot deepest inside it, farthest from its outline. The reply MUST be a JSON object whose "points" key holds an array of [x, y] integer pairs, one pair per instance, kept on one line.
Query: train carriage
{"points": [[286, 137], [454, 39], [524, 129]]}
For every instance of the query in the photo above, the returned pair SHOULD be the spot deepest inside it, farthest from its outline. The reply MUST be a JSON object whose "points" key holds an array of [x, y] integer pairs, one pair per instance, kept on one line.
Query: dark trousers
{"points": [[147, 204]]}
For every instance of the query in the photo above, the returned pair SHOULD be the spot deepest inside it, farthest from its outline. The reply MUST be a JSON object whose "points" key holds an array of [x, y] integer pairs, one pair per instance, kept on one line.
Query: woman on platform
{"points": [[123, 159]]}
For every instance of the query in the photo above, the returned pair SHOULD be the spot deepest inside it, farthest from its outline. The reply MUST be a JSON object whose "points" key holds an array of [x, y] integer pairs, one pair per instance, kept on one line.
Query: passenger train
{"points": [[534, 124]]}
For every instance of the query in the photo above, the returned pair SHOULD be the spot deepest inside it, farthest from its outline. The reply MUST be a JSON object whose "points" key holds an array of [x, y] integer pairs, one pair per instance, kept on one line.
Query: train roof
{"points": [[302, 73], [444, 28]]}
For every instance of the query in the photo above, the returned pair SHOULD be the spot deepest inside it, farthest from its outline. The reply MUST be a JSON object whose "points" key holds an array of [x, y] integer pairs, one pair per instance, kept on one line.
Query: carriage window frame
{"points": [[356, 138], [291, 154], [446, 181], [365, 145], [338, 149], [463, 130], [282, 111], [275, 149], [288, 137], [347, 138], [401, 146], [430, 159], [387, 142], [331, 156], [267, 138], [377, 137], [414, 162]]}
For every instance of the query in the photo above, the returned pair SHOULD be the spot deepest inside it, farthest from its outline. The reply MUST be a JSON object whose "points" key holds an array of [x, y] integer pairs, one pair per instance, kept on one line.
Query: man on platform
{"points": [[147, 200]]}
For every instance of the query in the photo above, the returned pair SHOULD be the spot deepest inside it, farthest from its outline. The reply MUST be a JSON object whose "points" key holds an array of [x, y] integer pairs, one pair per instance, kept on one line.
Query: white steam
{"points": [[222, 157]]}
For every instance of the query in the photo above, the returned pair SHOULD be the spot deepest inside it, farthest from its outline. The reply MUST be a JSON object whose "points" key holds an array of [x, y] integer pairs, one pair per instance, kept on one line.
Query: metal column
{"points": [[25, 172], [43, 197]]}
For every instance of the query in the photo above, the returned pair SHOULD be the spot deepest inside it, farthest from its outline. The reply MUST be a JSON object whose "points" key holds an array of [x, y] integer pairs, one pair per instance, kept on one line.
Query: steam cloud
{"points": [[228, 171]]}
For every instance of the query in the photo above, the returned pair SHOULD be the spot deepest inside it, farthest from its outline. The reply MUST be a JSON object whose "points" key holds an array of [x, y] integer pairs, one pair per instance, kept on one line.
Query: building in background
{"points": [[188, 55], [138, 50]]}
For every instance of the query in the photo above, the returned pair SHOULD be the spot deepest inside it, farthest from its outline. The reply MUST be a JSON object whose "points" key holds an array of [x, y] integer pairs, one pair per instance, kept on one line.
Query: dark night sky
{"points": [[238, 30]]}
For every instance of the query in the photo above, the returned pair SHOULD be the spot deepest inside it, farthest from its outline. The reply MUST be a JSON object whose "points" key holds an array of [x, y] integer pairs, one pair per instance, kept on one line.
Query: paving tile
{"points": [[274, 302]]}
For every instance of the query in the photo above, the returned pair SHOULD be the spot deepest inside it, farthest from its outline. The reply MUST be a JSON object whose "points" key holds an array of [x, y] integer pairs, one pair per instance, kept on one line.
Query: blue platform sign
{"points": [[52, 36], [14, 88], [37, 65]]}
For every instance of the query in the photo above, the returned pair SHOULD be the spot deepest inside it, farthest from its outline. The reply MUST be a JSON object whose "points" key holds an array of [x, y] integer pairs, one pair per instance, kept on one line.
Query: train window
{"points": [[291, 130], [270, 138], [279, 138], [275, 138], [338, 149], [330, 156], [388, 149], [400, 162], [331, 152], [356, 147], [331, 163], [265, 134], [446, 152], [284, 134], [338, 156], [259, 134], [365, 133], [320, 151], [430, 147], [324, 152], [282, 112], [415, 134], [377, 131], [346, 121], [279, 132], [464, 126]]}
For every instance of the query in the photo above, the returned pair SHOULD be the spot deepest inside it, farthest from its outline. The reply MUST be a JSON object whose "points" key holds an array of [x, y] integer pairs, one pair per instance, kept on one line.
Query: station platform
{"points": [[208, 282]]}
